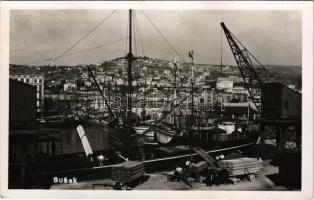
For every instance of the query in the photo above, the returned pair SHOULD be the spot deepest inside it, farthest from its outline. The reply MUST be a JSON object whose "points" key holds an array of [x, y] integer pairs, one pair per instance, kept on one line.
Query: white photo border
{"points": [[307, 97]]}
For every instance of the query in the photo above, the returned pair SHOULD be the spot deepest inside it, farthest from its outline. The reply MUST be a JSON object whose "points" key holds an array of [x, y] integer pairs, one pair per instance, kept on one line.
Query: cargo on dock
{"points": [[128, 171]]}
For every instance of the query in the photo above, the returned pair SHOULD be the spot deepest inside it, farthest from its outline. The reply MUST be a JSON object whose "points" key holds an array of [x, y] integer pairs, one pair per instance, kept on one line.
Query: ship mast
{"points": [[130, 58]]}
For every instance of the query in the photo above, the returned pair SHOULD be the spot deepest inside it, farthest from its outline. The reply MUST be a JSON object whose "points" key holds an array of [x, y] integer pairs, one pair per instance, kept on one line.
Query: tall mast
{"points": [[130, 59], [175, 89], [191, 54], [175, 76]]}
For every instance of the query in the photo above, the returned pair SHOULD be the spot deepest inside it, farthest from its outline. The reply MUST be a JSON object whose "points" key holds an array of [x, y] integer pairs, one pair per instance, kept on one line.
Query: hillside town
{"points": [[70, 89]]}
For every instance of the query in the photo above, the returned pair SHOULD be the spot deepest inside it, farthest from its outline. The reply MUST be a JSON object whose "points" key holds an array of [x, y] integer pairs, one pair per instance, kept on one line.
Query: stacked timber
{"points": [[198, 167], [241, 166], [128, 171]]}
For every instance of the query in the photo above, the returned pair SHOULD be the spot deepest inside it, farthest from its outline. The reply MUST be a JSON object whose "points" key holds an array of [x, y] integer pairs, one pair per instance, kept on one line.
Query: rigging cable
{"points": [[38, 61], [76, 43], [139, 33], [127, 36], [97, 47], [138, 44], [86, 35], [134, 36], [220, 48], [176, 52], [80, 51]]}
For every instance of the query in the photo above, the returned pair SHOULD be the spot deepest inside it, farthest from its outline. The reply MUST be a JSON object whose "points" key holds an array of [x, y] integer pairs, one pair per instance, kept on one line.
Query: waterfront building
{"points": [[238, 111], [22, 106], [36, 80], [289, 106]]}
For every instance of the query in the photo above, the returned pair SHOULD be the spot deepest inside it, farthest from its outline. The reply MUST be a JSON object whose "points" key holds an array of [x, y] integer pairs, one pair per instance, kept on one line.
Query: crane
{"points": [[270, 98], [252, 71]]}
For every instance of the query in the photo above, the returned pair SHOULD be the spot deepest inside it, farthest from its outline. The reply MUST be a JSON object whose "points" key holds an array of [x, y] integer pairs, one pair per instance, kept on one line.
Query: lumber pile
{"points": [[198, 167], [241, 166], [128, 171]]}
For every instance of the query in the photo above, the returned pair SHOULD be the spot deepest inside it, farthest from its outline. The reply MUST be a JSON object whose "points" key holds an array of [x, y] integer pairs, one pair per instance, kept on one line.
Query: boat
{"points": [[154, 142]]}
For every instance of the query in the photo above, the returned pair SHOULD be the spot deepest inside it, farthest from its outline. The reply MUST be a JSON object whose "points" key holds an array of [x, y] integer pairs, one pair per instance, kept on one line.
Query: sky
{"points": [[274, 37]]}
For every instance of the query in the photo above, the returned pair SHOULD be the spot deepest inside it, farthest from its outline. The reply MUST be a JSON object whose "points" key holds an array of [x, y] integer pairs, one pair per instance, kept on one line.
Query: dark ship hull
{"points": [[42, 171]]}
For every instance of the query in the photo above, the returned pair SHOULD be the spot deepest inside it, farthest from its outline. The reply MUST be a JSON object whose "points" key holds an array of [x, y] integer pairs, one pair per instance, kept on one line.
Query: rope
{"points": [[76, 43], [86, 35], [163, 36], [38, 61], [221, 49], [134, 37], [80, 51], [138, 36], [97, 47], [139, 33], [127, 36]]}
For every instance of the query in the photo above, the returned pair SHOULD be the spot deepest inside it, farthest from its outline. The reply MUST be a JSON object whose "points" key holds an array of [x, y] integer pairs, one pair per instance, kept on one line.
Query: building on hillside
{"points": [[120, 82], [235, 79], [100, 77], [87, 83], [224, 83], [69, 86]]}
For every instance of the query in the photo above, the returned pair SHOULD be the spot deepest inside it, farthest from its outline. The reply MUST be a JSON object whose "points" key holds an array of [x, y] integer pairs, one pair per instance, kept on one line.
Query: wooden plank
{"points": [[241, 166], [198, 167], [128, 171], [206, 157], [87, 148]]}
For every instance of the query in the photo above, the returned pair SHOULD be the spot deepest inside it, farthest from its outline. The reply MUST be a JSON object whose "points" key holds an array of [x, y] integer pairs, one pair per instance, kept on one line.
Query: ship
{"points": [[155, 142]]}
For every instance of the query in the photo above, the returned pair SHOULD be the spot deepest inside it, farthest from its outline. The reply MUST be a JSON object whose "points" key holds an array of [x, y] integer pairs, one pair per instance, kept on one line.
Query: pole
{"points": [[109, 94], [145, 81], [175, 76], [175, 88], [192, 89], [248, 112], [192, 95], [130, 59]]}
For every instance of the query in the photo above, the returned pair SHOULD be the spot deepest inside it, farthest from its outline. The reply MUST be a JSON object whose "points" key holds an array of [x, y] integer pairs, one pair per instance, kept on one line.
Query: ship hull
{"points": [[45, 170]]}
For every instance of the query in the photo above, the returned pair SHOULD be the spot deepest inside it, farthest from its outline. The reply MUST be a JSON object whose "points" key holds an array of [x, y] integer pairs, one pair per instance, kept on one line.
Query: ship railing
{"points": [[221, 137]]}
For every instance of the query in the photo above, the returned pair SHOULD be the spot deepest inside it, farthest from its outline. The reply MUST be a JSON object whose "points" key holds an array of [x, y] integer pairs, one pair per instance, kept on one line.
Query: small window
{"points": [[286, 105], [27, 80], [40, 80]]}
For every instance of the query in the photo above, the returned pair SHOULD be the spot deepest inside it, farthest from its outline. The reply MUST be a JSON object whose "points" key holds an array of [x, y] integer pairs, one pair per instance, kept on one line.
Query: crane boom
{"points": [[254, 75]]}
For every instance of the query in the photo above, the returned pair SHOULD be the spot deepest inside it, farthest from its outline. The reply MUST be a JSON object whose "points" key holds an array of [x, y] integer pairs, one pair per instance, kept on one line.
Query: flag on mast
{"points": [[191, 55]]}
